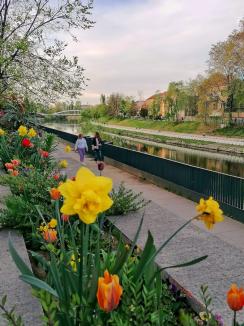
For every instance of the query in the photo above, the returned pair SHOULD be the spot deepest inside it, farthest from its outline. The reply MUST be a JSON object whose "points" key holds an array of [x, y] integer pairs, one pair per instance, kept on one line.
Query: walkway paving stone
{"points": [[167, 211], [18, 293]]}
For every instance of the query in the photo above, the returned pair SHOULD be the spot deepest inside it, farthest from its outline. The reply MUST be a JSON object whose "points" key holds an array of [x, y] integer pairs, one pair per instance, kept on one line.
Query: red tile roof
{"points": [[153, 96]]}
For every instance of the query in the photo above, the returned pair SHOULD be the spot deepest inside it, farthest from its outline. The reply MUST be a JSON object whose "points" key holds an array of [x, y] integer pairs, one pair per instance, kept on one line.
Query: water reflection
{"points": [[221, 163], [228, 164]]}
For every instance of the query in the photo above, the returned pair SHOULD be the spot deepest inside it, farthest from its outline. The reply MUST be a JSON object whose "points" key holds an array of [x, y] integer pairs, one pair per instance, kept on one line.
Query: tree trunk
{"points": [[230, 103]]}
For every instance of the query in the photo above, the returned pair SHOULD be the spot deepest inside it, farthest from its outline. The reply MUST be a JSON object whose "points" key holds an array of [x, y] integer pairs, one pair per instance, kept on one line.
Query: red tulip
{"points": [[44, 154], [9, 166], [15, 162], [65, 218], [26, 143], [56, 177], [100, 166]]}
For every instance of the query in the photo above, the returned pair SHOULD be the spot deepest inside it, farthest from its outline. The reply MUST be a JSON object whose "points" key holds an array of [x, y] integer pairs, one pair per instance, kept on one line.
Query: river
{"points": [[228, 164]]}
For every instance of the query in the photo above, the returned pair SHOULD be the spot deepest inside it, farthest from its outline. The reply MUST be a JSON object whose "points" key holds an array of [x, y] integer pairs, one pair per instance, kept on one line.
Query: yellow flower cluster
{"points": [[63, 164], [86, 196], [2, 132], [32, 133], [53, 223], [67, 149], [43, 227], [210, 212], [23, 131]]}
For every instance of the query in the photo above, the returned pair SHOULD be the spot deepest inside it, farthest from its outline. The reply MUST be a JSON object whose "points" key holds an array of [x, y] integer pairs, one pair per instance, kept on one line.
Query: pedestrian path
{"points": [[167, 211]]}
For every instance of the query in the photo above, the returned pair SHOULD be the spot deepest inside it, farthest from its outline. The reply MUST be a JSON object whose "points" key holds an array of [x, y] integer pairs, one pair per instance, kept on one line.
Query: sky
{"points": [[137, 47]]}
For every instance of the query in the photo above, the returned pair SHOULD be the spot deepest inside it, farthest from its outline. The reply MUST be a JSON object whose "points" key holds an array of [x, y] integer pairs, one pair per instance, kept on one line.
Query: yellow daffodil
{"points": [[32, 133], [2, 132], [43, 227], [53, 223], [22, 131], [210, 212], [63, 164], [67, 149], [87, 196]]}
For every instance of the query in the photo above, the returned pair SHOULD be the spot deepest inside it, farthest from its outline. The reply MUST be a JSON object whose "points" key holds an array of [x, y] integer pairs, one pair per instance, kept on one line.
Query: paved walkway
{"points": [[166, 212], [215, 139], [19, 294]]}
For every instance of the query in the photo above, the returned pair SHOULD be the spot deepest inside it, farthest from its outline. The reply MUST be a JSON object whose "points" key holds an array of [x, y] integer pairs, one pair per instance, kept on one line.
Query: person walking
{"points": [[81, 147], [97, 147]]}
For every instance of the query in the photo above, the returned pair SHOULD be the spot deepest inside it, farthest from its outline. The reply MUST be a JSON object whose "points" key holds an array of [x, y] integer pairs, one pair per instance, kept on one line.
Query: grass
{"points": [[230, 131], [156, 138], [184, 127]]}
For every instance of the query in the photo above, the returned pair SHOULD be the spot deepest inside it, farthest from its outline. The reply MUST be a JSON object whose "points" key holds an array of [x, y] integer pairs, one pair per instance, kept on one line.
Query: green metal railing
{"points": [[196, 182]]}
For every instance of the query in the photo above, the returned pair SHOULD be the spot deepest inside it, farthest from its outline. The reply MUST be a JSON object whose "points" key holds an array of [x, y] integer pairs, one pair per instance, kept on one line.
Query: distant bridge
{"points": [[61, 113]]}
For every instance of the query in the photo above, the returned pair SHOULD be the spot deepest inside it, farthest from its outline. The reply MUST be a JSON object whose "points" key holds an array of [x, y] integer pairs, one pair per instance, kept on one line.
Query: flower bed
{"points": [[89, 276]]}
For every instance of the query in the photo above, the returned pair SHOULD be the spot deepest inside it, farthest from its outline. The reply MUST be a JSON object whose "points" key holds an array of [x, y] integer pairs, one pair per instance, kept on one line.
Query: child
{"points": [[81, 147]]}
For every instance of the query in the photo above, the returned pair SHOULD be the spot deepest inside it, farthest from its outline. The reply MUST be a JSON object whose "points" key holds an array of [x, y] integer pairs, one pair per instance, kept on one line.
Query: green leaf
{"points": [[40, 259], [189, 263], [147, 253], [24, 269], [122, 254], [33, 281]]}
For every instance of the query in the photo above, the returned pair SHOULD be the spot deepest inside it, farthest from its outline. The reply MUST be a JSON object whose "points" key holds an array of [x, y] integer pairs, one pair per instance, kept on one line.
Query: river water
{"points": [[228, 164]]}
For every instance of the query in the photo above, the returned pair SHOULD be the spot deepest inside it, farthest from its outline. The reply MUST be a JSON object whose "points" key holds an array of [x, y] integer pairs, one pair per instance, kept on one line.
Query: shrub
{"points": [[125, 201], [17, 111], [18, 213]]}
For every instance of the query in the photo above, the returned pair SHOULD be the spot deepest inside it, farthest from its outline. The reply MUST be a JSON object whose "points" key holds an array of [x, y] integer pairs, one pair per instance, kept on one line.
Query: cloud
{"points": [[143, 45]]}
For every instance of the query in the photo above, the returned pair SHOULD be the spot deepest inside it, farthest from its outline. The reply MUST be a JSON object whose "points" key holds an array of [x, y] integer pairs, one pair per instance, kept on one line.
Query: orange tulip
{"points": [[109, 292], [50, 235], [235, 298], [15, 173], [55, 194]]}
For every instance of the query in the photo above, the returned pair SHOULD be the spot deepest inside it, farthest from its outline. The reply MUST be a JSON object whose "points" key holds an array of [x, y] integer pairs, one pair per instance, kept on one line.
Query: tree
{"points": [[126, 106], [176, 99], [32, 59], [113, 103], [192, 91], [103, 99], [144, 112], [154, 107], [227, 58], [239, 94], [132, 109]]}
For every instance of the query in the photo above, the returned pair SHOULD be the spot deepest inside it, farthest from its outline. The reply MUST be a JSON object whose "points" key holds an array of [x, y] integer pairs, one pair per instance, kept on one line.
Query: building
{"points": [[149, 101]]}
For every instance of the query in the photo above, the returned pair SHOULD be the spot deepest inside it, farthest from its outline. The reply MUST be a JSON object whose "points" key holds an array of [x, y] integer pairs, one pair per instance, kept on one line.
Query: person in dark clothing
{"points": [[97, 147]]}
